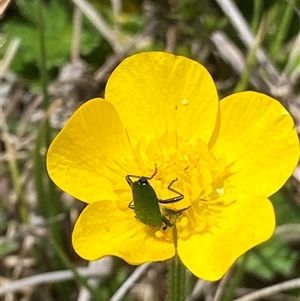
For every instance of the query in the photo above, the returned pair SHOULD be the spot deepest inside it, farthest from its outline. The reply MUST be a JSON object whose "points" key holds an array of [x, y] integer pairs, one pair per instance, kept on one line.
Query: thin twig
{"points": [[293, 56], [13, 168], [271, 290], [288, 233], [9, 55], [138, 272], [243, 29], [171, 37], [201, 288], [99, 22], [76, 38], [117, 10], [98, 265], [113, 60], [251, 57], [297, 172], [296, 9], [50, 277], [222, 285], [234, 57], [3, 6]]}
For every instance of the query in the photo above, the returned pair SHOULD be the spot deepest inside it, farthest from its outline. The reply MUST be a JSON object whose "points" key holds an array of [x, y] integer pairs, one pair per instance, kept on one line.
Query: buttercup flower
{"points": [[162, 119]]}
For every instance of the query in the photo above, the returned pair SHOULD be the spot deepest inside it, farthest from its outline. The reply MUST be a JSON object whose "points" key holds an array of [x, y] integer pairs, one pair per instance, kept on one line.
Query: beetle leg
{"points": [[167, 223], [175, 191], [171, 213], [174, 199], [155, 172]]}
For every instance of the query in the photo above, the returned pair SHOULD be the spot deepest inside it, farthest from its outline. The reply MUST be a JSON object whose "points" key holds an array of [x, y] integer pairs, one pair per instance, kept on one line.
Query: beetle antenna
{"points": [[155, 171], [172, 182]]}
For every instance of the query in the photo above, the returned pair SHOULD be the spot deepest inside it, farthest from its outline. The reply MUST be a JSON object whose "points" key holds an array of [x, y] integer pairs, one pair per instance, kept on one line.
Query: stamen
{"points": [[201, 180]]}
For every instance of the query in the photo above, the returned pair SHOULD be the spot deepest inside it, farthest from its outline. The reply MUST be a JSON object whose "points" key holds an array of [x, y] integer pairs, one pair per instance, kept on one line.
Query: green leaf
{"points": [[271, 258], [287, 211], [58, 33], [7, 246]]}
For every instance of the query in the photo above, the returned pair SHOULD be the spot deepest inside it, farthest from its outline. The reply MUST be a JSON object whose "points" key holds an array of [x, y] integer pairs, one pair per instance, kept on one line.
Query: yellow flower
{"points": [[162, 112]]}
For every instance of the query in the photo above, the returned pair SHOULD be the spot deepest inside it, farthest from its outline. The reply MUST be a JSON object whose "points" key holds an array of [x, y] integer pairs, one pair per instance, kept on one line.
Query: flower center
{"points": [[192, 170]]}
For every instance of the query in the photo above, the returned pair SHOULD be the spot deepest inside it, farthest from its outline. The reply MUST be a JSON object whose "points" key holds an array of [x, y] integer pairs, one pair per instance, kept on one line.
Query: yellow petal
{"points": [[81, 158], [259, 141], [237, 228], [104, 229], [155, 92]]}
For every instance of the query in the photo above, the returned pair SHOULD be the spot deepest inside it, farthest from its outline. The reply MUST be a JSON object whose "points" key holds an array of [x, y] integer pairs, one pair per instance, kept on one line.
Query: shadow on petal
{"points": [[105, 229]]}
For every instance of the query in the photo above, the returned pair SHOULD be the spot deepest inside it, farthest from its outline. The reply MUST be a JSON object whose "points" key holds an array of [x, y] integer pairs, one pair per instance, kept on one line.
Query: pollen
{"points": [[185, 102], [159, 234], [164, 234]]}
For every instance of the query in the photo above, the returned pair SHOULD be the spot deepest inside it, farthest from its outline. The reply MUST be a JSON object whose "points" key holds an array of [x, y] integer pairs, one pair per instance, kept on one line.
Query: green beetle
{"points": [[146, 203]]}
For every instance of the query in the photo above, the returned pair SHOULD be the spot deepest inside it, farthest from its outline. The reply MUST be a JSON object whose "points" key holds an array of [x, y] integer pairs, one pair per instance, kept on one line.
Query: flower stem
{"points": [[176, 276]]}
